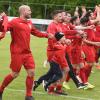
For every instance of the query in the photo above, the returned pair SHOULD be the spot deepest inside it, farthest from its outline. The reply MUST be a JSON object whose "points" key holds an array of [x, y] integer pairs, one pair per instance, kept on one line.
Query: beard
{"points": [[28, 16]]}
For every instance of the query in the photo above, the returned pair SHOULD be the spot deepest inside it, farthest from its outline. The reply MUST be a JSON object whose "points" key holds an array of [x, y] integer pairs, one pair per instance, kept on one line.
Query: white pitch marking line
{"points": [[41, 93]]}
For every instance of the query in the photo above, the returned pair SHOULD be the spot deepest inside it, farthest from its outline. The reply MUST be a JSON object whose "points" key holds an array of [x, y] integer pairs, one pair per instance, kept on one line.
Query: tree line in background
{"points": [[43, 8]]}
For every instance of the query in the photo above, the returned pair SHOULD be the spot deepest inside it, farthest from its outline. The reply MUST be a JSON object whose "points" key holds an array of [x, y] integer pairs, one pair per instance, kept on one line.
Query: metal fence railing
{"points": [[39, 10]]}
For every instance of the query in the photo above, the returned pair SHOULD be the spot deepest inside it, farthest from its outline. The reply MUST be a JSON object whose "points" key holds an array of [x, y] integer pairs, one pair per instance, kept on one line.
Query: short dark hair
{"points": [[55, 12], [84, 20], [73, 19], [88, 14]]}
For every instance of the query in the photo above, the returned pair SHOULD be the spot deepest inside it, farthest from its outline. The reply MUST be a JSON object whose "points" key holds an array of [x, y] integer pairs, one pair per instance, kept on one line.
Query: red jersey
{"points": [[68, 30], [74, 50], [97, 33], [88, 49], [20, 35], [53, 28], [59, 55], [90, 34]]}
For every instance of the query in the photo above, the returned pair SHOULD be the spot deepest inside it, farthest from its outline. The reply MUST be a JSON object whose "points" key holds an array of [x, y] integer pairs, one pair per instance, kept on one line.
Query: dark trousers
{"points": [[53, 74]]}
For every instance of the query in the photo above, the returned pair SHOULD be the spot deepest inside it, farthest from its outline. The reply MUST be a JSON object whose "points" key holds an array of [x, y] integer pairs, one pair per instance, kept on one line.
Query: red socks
{"points": [[88, 69], [58, 86], [51, 88], [83, 75], [29, 85], [67, 78], [8, 79]]}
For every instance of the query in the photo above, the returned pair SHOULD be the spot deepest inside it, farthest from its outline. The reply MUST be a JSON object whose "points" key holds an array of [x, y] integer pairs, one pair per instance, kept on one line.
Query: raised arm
{"points": [[37, 33], [3, 25], [92, 42], [83, 11]]}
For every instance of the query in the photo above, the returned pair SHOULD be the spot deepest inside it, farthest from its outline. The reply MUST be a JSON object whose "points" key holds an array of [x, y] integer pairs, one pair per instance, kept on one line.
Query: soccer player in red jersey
{"points": [[97, 33], [59, 57], [58, 64], [71, 33], [21, 28], [88, 48], [53, 27]]}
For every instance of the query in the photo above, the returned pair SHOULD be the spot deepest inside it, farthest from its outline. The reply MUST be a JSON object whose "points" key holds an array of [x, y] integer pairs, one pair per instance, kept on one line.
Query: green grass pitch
{"points": [[16, 90]]}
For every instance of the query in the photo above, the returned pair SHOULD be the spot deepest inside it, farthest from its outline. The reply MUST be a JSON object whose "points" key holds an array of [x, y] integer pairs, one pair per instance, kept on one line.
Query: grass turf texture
{"points": [[16, 90]]}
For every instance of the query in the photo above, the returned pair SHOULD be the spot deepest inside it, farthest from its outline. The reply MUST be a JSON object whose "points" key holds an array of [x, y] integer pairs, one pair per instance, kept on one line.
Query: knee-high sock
{"points": [[83, 75], [67, 78], [88, 69], [8, 79], [29, 85], [51, 88], [59, 86]]}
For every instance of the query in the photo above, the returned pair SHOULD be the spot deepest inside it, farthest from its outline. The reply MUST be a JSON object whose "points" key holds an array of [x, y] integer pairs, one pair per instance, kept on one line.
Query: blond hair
{"points": [[22, 8]]}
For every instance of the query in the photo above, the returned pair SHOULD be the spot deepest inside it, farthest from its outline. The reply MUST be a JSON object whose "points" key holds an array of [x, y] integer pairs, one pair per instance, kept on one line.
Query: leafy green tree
{"points": [[43, 8]]}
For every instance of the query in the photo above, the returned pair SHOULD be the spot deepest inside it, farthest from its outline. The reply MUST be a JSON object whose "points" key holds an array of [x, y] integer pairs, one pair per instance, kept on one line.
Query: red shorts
{"points": [[17, 60], [50, 54], [89, 53], [59, 57], [76, 57]]}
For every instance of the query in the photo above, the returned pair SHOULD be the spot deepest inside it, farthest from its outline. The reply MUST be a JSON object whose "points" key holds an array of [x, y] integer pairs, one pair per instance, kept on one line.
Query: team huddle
{"points": [[73, 48]]}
